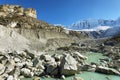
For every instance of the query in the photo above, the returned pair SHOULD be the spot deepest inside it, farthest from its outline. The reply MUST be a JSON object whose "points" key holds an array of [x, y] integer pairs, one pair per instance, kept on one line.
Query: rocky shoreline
{"points": [[15, 65]]}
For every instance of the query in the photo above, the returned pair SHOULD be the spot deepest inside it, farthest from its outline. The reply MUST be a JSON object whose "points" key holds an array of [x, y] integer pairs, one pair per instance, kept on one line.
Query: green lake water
{"points": [[92, 57]]}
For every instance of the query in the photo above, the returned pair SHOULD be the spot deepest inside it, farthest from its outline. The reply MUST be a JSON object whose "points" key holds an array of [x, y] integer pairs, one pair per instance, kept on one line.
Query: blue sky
{"points": [[68, 11]]}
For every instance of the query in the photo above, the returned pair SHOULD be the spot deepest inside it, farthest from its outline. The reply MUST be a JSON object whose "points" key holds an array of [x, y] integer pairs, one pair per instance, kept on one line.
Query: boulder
{"points": [[16, 73], [2, 68], [38, 68], [36, 78], [20, 65], [50, 66], [37, 72], [3, 60], [35, 61], [17, 60], [63, 77], [77, 78], [26, 72], [68, 65], [46, 58], [28, 63], [31, 55], [107, 70], [57, 57], [12, 24], [21, 53], [78, 55], [4, 75], [49, 63], [10, 65], [115, 63], [87, 67], [1, 78], [10, 77], [55, 72]]}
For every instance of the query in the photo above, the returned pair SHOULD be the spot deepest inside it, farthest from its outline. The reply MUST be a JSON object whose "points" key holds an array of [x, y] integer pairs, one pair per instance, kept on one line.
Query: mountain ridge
{"points": [[97, 28], [92, 23]]}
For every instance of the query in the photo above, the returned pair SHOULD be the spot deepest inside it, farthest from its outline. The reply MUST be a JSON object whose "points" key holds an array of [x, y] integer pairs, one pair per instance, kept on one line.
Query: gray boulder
{"points": [[50, 66], [68, 65], [1, 78], [37, 72], [10, 65], [45, 57], [57, 57], [49, 63], [10, 77], [16, 73], [107, 70], [26, 72], [78, 55], [38, 68], [77, 78], [115, 64], [2, 68]]}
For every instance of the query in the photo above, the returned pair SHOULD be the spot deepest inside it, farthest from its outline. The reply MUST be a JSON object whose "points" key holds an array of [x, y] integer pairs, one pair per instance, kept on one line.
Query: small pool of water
{"points": [[94, 57]]}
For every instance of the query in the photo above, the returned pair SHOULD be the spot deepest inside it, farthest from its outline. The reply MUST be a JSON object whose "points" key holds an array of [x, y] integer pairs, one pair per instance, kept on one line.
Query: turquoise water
{"points": [[92, 57], [96, 76], [87, 76]]}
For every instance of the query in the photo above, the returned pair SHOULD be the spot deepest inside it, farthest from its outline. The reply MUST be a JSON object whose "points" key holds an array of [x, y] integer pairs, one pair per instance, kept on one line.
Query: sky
{"points": [[66, 12]]}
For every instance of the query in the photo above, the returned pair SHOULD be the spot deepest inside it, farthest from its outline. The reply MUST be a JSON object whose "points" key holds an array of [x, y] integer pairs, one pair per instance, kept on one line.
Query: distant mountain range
{"points": [[94, 24], [98, 28]]}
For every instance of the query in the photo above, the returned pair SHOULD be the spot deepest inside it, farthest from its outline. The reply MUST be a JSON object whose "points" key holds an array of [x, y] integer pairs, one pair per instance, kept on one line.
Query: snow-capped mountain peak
{"points": [[103, 28], [99, 24]]}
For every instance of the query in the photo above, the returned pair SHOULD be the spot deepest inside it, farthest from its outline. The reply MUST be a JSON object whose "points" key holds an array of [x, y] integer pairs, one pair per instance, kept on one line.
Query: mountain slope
{"points": [[27, 32], [114, 31], [10, 39], [97, 28]]}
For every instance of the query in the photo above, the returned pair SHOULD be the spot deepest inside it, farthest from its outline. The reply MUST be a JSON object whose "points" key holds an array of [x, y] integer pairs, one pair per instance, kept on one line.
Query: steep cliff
{"points": [[23, 31]]}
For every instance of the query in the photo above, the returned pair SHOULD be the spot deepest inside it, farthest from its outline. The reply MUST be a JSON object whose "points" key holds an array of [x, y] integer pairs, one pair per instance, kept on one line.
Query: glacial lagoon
{"points": [[92, 57]]}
